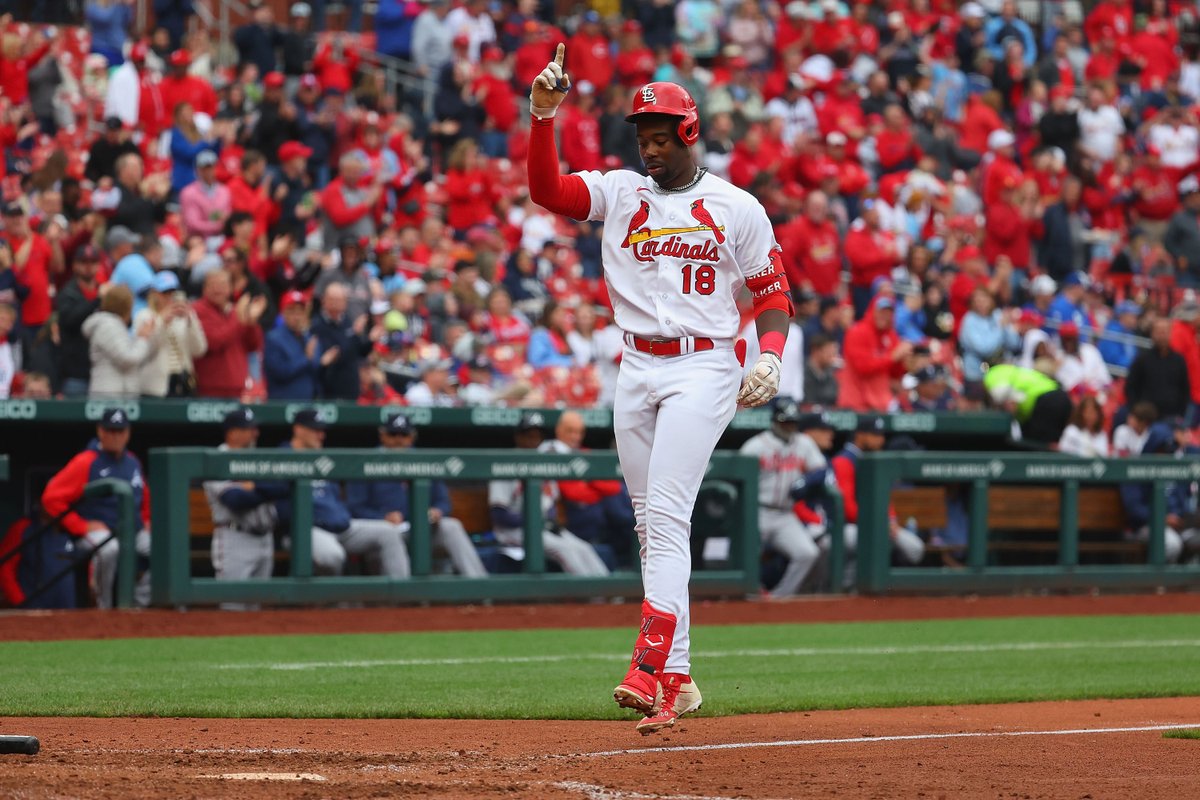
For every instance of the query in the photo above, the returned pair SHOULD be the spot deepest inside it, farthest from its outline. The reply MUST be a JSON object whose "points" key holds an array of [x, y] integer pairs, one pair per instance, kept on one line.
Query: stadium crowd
{"points": [[955, 188]]}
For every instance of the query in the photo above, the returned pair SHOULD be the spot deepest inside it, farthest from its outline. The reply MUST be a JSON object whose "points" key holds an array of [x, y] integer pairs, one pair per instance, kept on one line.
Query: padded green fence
{"points": [[878, 473], [174, 470]]}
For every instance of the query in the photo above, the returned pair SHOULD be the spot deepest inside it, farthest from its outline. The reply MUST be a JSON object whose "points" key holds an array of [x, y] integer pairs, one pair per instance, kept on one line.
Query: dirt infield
{"points": [[1090, 749], [185, 758], [52, 625]]}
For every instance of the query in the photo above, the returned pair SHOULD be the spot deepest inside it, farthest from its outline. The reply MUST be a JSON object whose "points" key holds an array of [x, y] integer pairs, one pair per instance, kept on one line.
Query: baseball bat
{"points": [[23, 745]]}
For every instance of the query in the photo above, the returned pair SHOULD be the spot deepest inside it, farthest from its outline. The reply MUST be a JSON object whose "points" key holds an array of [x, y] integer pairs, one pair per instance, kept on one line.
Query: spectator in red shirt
{"points": [[980, 119], [635, 62], [894, 144], [1012, 223], [1184, 331], [1113, 18], [232, 332], [811, 248], [842, 110], [871, 253], [580, 127], [1155, 198], [499, 102], [1002, 169], [250, 192], [180, 87], [335, 63], [16, 59], [469, 188], [535, 50], [32, 260], [874, 357], [591, 53]]}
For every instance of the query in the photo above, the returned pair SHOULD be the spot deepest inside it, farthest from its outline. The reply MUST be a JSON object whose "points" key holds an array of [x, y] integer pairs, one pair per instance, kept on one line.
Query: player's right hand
{"points": [[550, 87]]}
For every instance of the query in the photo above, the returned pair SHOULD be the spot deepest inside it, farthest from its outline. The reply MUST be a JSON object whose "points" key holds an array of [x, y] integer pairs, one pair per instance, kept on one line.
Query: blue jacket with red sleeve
{"points": [[92, 465]]}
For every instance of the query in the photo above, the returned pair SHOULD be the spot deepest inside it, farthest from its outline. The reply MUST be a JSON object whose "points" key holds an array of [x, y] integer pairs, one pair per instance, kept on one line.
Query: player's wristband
{"points": [[772, 342]]}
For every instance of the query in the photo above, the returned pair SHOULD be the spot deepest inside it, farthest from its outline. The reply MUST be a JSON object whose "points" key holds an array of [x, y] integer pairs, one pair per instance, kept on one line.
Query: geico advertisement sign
{"points": [[18, 409], [209, 412], [94, 409]]}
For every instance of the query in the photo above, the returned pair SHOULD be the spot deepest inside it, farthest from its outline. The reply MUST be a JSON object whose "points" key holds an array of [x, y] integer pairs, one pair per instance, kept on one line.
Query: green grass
{"points": [[1186, 733], [569, 673]]}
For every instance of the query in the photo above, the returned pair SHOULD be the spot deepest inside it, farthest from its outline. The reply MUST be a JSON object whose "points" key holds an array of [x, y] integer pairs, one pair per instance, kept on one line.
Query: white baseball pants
{"points": [[668, 414], [783, 532], [104, 567]]}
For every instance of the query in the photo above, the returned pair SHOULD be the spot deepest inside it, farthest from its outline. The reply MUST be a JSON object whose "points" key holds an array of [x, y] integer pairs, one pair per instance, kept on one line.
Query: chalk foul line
{"points": [[793, 652], [873, 739]]}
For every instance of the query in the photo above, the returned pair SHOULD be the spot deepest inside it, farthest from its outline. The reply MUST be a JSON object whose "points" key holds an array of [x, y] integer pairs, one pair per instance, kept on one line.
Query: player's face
{"points": [[241, 438], [113, 441], [823, 437], [666, 159]]}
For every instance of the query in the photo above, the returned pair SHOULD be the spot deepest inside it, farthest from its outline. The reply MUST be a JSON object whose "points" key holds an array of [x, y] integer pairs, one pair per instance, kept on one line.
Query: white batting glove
{"points": [[550, 87], [762, 383]]}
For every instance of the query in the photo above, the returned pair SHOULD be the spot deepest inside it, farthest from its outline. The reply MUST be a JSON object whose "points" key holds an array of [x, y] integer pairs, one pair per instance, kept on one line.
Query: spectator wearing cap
{"points": [[739, 96], [633, 64], [1059, 124], [348, 202], [1081, 368], [32, 260], [473, 21], [277, 120], [436, 387], [591, 52], [1117, 346], [251, 193], [391, 501], [1067, 305], [335, 330], [820, 371], [1155, 197], [1184, 330], [232, 331], [243, 512], [336, 531], [258, 40], [107, 148], [842, 110], [205, 204], [1182, 236], [139, 211], [478, 389], [318, 119], [999, 170], [869, 437], [395, 21], [297, 44], [874, 357], [116, 354], [1062, 249], [293, 190], [93, 521], [74, 303], [1014, 222], [170, 371], [431, 39], [506, 500], [180, 86], [871, 253], [291, 362], [930, 391]]}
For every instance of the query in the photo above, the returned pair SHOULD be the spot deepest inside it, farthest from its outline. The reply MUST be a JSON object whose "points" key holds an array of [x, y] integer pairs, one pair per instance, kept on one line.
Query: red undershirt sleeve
{"points": [[562, 194]]}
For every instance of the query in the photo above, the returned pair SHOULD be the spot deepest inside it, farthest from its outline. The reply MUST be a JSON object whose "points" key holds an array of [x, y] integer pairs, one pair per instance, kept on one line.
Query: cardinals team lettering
{"points": [[649, 244]]}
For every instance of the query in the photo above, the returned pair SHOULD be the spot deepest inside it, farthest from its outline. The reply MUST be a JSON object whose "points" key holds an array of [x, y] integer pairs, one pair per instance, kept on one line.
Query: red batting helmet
{"points": [[664, 97]]}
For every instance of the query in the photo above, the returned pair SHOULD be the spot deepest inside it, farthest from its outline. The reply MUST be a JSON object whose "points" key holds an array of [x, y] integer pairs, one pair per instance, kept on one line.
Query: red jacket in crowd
{"points": [[635, 67], [35, 276], [14, 75], [222, 371], [1155, 193], [895, 147], [978, 121], [498, 99], [871, 254], [472, 198], [997, 176], [591, 59], [335, 73], [1008, 233], [1184, 342], [812, 254], [188, 89], [335, 208], [580, 139], [864, 383]]}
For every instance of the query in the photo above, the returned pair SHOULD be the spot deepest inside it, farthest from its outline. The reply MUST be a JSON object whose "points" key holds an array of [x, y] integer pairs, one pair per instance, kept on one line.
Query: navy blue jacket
{"points": [[329, 510], [339, 380], [291, 374], [376, 499], [93, 464]]}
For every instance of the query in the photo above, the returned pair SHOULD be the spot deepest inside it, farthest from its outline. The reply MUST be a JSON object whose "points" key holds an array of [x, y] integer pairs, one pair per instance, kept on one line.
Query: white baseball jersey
{"points": [[675, 261], [780, 463]]}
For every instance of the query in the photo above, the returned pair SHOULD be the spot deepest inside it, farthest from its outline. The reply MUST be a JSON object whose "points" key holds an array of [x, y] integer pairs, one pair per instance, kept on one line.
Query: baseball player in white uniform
{"points": [[679, 246], [784, 456]]}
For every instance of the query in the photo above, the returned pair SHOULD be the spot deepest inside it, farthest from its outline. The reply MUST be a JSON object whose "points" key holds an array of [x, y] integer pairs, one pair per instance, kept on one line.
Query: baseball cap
{"points": [[309, 81], [531, 421], [239, 418], [1074, 279], [114, 419], [206, 158], [462, 40], [885, 303], [870, 423], [972, 10], [292, 298], [1043, 285], [815, 419], [1128, 307], [301, 10], [1068, 330], [928, 373], [1189, 185], [1000, 138], [181, 58], [14, 209], [118, 235], [1030, 317], [88, 253], [273, 80], [399, 425], [310, 418], [414, 287], [480, 362], [114, 123], [165, 281], [835, 139]]}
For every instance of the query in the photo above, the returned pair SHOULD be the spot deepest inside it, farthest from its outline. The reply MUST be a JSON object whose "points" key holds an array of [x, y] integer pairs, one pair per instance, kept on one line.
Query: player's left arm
{"points": [[771, 293]]}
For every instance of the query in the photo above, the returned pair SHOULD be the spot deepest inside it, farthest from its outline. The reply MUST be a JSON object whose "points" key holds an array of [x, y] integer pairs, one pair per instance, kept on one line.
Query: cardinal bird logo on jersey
{"points": [[701, 215], [637, 221]]}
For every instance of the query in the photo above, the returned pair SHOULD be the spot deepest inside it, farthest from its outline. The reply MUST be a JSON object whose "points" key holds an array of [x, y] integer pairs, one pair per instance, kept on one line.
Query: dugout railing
{"points": [[880, 473], [174, 471]]}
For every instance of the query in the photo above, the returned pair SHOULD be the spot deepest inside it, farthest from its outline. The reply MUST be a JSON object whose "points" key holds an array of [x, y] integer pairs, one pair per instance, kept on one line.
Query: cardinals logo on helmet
{"points": [[648, 94]]}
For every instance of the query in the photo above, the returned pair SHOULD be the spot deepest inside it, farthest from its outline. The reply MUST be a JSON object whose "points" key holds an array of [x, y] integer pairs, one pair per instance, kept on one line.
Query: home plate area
{"points": [[1101, 748]]}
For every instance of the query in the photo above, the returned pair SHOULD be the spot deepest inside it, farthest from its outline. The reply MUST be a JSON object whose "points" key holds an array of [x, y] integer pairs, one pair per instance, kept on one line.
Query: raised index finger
{"points": [[560, 54]]}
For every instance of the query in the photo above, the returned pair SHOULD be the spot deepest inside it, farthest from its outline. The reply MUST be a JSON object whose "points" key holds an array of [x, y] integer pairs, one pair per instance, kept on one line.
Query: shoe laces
{"points": [[670, 691]]}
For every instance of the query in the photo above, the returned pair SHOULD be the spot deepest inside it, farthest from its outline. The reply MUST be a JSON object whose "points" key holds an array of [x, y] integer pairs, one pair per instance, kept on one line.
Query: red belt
{"points": [[669, 347]]}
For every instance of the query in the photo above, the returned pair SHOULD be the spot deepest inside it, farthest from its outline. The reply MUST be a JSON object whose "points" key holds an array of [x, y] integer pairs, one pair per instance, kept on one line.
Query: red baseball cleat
{"points": [[671, 705], [638, 691], [686, 702]]}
